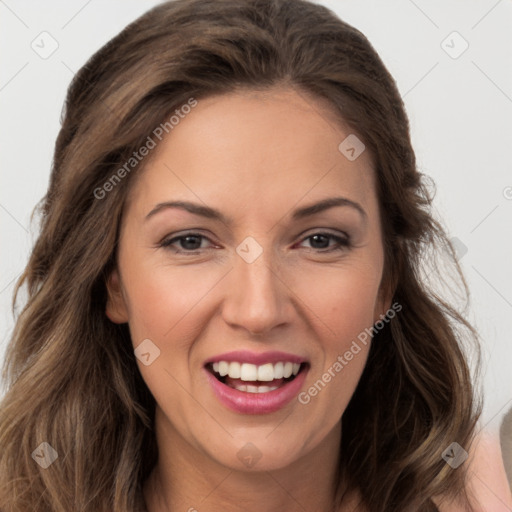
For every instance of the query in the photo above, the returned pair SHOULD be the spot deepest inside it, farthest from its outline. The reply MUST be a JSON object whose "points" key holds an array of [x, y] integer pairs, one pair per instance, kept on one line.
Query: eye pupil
{"points": [[186, 239], [316, 237]]}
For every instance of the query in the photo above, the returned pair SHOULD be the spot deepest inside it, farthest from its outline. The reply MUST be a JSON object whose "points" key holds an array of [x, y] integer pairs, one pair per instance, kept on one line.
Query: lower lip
{"points": [[256, 403]]}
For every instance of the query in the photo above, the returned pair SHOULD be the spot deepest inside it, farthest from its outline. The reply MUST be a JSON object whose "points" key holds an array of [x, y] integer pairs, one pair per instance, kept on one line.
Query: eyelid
{"points": [[170, 239], [323, 231], [341, 238]]}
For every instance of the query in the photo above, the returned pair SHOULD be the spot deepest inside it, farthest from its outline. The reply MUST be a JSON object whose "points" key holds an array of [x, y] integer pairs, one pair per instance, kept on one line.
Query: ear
{"points": [[383, 302], [115, 309]]}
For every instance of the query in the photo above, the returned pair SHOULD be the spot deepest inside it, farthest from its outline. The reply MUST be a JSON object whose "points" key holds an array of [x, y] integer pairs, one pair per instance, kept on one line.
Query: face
{"points": [[250, 277]]}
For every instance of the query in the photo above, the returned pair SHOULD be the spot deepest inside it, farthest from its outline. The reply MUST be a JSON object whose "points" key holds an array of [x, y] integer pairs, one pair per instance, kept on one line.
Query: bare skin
{"points": [[487, 480], [256, 158]]}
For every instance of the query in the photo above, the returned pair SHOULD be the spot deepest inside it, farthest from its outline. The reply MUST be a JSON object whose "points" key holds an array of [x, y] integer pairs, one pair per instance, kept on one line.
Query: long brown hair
{"points": [[71, 374]]}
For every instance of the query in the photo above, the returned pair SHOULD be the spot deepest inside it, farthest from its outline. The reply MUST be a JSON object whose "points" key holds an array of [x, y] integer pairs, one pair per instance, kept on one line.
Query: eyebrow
{"points": [[300, 213]]}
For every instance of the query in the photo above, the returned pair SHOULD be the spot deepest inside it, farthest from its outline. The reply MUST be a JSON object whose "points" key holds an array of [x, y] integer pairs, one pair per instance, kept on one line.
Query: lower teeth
{"points": [[255, 389]]}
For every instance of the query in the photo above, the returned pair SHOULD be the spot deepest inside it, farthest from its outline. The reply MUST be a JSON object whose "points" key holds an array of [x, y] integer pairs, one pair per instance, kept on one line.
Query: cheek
{"points": [[343, 299], [164, 304], [163, 298], [344, 306]]}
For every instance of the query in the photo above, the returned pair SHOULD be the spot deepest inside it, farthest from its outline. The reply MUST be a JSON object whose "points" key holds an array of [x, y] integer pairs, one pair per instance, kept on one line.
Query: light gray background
{"points": [[459, 109]]}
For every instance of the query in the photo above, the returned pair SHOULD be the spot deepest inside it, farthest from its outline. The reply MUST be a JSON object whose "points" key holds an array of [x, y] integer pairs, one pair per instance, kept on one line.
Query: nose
{"points": [[258, 299]]}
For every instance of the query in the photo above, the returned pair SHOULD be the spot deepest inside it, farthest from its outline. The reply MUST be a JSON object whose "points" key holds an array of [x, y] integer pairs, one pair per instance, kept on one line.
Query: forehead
{"points": [[262, 150]]}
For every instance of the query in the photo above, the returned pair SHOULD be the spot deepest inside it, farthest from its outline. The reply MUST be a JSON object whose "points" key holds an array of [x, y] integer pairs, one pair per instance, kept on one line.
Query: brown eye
{"points": [[320, 242], [187, 243]]}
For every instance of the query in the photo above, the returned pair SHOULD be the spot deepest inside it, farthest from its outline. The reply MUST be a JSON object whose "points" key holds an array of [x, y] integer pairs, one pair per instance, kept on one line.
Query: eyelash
{"points": [[343, 243]]}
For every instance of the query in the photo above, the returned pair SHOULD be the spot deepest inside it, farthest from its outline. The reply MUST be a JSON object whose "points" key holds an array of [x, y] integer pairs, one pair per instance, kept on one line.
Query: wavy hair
{"points": [[71, 375]]}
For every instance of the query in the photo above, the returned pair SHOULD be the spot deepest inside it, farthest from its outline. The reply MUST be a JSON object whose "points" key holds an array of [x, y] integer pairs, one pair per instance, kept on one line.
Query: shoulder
{"points": [[487, 480]]}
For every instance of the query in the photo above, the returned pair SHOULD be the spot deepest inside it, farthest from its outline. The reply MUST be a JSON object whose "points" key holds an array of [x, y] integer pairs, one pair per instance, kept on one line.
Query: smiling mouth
{"points": [[253, 379]]}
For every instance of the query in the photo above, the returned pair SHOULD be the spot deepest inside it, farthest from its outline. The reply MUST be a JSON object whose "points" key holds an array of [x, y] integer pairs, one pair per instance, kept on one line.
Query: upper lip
{"points": [[245, 356]]}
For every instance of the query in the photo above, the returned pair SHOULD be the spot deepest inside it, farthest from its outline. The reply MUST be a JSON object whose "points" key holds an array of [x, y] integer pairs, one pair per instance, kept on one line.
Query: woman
{"points": [[253, 369]]}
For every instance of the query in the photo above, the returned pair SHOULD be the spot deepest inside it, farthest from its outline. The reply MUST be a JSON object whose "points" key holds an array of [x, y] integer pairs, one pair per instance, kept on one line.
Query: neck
{"points": [[188, 479]]}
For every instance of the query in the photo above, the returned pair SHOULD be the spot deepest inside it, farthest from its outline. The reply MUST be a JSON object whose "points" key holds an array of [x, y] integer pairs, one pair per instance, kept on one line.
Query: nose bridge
{"points": [[258, 297]]}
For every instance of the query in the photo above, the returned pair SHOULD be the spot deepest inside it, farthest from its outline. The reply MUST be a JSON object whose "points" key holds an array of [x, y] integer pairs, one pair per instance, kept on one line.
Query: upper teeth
{"points": [[251, 372]]}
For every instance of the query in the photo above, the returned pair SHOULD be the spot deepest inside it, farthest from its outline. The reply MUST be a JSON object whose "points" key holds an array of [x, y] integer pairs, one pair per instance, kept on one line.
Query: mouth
{"points": [[251, 378]]}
